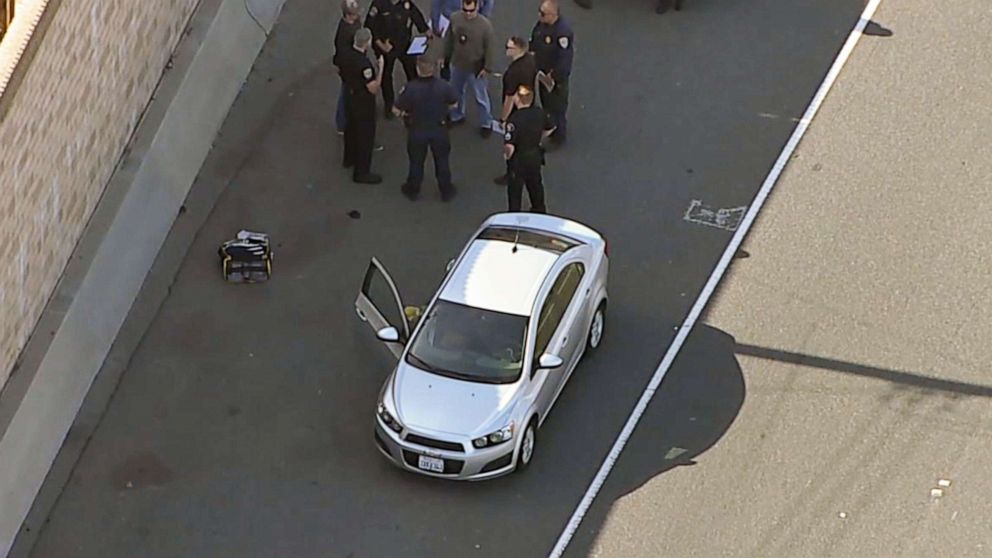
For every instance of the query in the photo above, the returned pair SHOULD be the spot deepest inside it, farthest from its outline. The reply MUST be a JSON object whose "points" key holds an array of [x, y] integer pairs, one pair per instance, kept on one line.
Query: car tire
{"points": [[527, 445], [596, 328]]}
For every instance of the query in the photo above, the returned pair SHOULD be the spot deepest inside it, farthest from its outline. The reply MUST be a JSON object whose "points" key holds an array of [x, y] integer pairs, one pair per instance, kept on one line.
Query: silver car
{"points": [[491, 352]]}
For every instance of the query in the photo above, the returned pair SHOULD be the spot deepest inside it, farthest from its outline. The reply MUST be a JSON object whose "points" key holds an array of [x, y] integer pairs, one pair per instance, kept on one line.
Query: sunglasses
{"points": [[469, 10]]}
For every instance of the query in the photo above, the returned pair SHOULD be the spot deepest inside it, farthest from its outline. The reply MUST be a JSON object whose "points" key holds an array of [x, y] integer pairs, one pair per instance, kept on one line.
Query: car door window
{"points": [[555, 305], [380, 292]]}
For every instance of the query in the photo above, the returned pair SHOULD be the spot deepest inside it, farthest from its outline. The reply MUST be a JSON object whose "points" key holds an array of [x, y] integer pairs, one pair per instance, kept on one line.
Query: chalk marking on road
{"points": [[721, 267], [726, 219]]}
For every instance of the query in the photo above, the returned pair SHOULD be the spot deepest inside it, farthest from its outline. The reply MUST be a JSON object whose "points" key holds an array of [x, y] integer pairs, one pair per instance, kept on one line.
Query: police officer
{"points": [[425, 104], [362, 82], [525, 129], [392, 25], [344, 37], [521, 71], [552, 44]]}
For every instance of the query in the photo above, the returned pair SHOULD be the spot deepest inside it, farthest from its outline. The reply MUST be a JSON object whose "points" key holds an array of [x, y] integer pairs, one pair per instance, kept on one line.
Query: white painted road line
{"points": [[721, 267]]}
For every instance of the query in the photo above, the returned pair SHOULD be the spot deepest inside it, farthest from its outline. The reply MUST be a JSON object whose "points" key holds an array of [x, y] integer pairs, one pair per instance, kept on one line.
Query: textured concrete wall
{"points": [[65, 126], [66, 203]]}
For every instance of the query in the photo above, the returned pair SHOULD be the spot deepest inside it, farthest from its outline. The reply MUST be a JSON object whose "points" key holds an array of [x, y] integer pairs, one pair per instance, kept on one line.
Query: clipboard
{"points": [[418, 46]]}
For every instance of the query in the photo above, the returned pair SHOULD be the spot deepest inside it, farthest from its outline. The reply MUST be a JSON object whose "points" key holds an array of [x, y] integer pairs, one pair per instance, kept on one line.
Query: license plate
{"points": [[431, 464]]}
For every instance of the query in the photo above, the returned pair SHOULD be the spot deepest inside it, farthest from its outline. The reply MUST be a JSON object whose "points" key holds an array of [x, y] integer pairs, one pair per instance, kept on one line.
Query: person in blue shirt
{"points": [[552, 43], [446, 8], [424, 105]]}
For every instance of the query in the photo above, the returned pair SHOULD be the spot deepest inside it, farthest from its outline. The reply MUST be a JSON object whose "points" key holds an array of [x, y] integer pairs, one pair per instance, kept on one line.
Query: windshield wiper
{"points": [[420, 363]]}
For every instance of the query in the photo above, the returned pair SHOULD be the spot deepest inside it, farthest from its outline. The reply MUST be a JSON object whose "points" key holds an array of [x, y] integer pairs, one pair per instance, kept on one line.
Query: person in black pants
{"points": [[424, 105], [363, 83], [553, 45], [525, 129], [344, 37], [521, 71], [392, 25]]}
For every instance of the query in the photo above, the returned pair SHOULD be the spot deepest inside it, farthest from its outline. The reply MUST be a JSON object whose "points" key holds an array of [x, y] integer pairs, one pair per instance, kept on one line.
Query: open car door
{"points": [[379, 305]]}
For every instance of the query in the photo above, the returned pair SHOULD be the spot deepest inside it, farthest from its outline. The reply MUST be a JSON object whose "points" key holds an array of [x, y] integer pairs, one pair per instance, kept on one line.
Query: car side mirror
{"points": [[389, 334], [549, 361], [450, 264]]}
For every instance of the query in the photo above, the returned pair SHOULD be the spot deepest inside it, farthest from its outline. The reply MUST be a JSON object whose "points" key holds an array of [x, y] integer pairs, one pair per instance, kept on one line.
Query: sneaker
{"points": [[502, 180], [485, 132], [370, 178]]}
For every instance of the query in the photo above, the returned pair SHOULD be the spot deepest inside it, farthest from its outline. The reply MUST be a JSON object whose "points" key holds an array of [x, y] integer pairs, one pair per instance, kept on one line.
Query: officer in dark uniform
{"points": [[363, 83], [521, 71], [425, 104], [525, 129], [552, 44], [392, 25]]}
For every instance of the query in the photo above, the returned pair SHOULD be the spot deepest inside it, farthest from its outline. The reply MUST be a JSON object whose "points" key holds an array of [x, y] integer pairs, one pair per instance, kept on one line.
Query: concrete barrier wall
{"points": [[120, 243]]}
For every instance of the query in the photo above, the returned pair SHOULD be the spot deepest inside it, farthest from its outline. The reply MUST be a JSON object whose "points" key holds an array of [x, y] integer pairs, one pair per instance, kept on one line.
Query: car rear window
{"points": [[526, 237]]}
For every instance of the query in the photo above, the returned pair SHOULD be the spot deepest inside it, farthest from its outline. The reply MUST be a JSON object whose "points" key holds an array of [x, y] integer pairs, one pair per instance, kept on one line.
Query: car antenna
{"points": [[516, 237]]}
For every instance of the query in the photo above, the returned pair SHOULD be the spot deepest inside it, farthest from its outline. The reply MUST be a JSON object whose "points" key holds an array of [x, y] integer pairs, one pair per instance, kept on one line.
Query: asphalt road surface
{"points": [[242, 426], [860, 324]]}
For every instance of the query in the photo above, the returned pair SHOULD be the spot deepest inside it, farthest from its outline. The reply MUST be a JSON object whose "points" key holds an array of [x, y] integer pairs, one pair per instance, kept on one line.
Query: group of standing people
{"points": [[459, 44]]}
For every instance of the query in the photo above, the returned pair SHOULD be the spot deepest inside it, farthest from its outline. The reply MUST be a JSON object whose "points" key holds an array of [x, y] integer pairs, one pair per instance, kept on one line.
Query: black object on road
{"points": [[247, 258]]}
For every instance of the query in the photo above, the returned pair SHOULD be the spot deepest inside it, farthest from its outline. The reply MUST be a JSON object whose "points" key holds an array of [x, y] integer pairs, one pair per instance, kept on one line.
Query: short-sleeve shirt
{"points": [[524, 129], [357, 72], [427, 101], [522, 71]]}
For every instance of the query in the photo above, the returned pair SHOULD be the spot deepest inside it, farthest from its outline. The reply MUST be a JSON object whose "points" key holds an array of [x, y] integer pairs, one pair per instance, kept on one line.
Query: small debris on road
{"points": [[675, 452]]}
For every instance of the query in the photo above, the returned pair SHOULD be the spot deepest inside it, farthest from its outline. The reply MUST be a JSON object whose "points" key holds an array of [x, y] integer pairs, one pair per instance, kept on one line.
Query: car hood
{"points": [[428, 401]]}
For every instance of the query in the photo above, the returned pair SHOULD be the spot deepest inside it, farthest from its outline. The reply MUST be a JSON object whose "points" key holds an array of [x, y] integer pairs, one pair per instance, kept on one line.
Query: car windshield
{"points": [[469, 343]]}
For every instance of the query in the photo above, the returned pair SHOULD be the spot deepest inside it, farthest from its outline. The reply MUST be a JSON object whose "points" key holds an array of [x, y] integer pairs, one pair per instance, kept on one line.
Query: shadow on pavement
{"points": [[698, 400], [895, 376]]}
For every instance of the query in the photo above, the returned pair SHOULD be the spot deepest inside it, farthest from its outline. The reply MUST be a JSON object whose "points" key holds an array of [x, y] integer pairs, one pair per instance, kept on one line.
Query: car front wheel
{"points": [[527, 445]]}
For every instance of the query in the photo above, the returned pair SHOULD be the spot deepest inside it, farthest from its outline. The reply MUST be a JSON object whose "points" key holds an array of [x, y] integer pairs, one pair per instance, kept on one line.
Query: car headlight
{"points": [[388, 419], [502, 435]]}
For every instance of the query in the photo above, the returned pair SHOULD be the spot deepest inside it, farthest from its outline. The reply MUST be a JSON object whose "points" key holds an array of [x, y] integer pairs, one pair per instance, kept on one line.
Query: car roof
{"points": [[495, 275]]}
